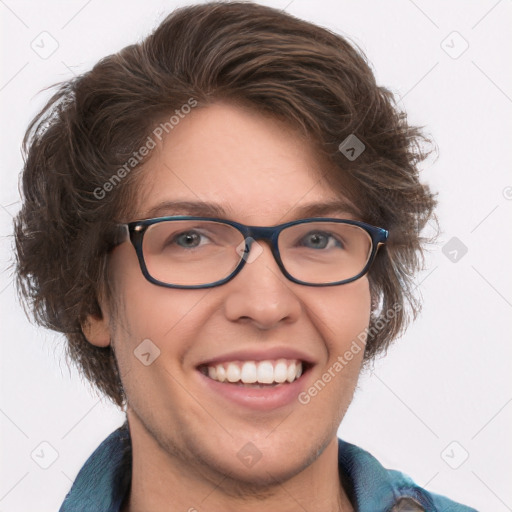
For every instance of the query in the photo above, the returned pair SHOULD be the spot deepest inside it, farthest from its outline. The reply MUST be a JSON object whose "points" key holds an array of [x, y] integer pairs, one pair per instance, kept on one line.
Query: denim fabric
{"points": [[104, 481]]}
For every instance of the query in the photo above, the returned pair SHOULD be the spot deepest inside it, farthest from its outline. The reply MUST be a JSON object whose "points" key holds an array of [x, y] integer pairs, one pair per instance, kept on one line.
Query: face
{"points": [[260, 173]]}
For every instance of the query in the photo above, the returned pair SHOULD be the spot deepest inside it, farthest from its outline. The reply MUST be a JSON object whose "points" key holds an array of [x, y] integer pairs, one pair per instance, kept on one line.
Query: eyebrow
{"points": [[208, 209]]}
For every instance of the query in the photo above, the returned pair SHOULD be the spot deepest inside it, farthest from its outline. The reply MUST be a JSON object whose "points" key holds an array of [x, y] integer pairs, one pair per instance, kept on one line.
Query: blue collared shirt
{"points": [[104, 481]]}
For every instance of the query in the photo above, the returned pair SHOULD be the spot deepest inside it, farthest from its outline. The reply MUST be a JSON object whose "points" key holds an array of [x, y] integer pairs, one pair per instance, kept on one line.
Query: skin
{"points": [[185, 441]]}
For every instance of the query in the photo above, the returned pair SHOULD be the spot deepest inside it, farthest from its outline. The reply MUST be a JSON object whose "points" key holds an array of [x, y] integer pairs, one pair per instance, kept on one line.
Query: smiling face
{"points": [[259, 173]]}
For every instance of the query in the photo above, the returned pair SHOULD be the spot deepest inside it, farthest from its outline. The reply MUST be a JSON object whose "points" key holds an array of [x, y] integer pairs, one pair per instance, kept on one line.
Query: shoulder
{"points": [[378, 489], [105, 477]]}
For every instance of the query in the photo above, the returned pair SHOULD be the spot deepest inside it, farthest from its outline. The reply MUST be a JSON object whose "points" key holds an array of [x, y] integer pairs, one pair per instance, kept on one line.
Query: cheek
{"points": [[146, 309], [341, 315], [156, 327]]}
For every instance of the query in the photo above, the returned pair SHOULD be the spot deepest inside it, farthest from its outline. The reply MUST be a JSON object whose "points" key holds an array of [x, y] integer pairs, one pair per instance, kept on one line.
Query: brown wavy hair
{"points": [[314, 80]]}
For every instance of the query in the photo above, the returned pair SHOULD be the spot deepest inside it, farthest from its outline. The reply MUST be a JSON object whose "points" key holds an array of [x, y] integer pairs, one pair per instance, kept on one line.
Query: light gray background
{"points": [[443, 392]]}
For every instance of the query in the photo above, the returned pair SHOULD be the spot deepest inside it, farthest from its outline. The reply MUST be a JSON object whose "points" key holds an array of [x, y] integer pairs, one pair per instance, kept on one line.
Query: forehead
{"points": [[238, 163]]}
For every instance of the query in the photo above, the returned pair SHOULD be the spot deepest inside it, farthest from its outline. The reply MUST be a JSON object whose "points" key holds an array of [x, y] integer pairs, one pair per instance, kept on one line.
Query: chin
{"points": [[268, 462]]}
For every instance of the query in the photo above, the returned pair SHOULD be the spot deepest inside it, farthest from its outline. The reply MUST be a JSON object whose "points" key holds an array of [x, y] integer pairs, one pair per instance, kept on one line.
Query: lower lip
{"points": [[260, 399]]}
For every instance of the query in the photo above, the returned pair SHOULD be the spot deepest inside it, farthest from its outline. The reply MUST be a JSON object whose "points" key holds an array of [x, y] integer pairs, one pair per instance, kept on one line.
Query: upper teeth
{"points": [[261, 372]]}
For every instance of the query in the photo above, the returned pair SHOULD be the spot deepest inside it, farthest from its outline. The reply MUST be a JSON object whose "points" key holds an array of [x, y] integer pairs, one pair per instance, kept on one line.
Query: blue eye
{"points": [[188, 239], [320, 240]]}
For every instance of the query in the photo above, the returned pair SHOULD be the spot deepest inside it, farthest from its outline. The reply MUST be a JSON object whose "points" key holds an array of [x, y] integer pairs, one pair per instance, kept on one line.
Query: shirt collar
{"points": [[104, 480], [374, 488]]}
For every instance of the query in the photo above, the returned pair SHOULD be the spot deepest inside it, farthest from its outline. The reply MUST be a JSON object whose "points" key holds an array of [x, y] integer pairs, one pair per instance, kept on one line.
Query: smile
{"points": [[266, 372]]}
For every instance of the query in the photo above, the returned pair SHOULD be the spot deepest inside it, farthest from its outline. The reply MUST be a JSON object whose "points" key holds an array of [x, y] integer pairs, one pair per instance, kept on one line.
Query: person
{"points": [[224, 220]]}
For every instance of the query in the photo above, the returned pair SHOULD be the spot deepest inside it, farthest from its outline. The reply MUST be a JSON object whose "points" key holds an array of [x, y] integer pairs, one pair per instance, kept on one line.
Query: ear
{"points": [[96, 330]]}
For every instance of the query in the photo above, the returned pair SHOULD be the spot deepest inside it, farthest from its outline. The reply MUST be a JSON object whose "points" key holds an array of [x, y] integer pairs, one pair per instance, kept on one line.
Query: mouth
{"points": [[259, 380], [256, 374]]}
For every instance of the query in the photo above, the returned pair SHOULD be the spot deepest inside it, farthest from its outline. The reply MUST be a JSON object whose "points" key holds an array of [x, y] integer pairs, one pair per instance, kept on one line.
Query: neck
{"points": [[161, 479]]}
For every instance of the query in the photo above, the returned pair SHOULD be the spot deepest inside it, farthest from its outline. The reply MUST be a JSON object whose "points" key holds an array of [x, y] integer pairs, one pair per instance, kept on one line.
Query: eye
{"points": [[320, 240], [187, 239]]}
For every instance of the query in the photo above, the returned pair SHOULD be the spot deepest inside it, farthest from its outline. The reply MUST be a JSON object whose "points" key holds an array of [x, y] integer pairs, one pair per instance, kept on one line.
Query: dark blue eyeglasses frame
{"points": [[135, 232]]}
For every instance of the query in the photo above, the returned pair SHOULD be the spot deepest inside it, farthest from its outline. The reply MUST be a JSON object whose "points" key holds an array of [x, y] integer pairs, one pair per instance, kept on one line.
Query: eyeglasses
{"points": [[202, 252]]}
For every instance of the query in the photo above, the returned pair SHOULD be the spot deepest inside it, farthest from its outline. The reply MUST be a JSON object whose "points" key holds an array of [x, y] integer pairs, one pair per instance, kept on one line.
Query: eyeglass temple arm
{"points": [[120, 234]]}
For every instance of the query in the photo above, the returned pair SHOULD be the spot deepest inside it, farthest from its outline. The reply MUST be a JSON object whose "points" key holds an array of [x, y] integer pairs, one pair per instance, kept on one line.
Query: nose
{"points": [[260, 293]]}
